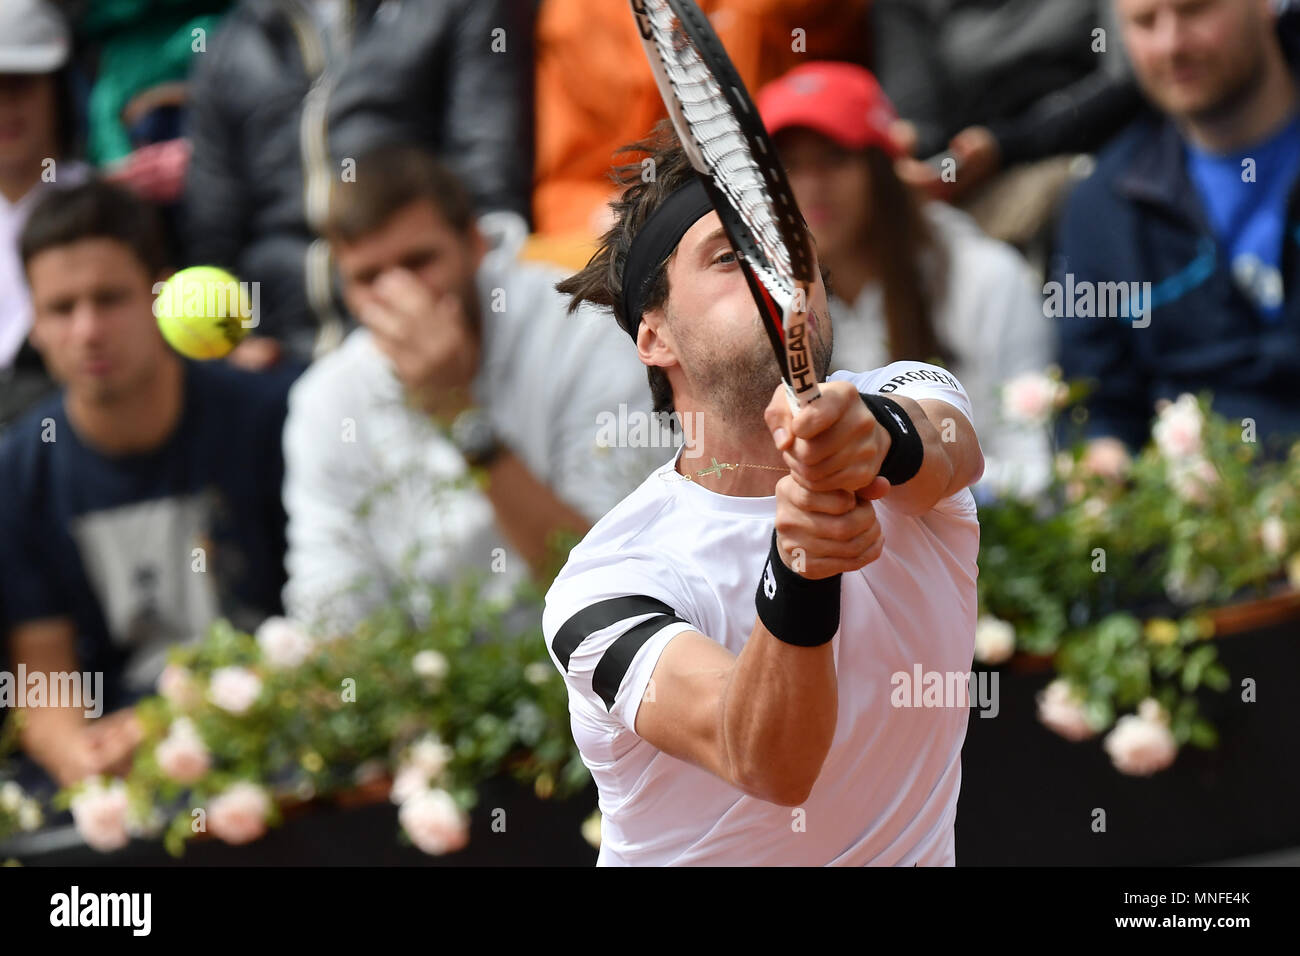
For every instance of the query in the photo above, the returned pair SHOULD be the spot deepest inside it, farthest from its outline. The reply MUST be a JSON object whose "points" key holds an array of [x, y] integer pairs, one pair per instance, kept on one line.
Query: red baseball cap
{"points": [[839, 100]]}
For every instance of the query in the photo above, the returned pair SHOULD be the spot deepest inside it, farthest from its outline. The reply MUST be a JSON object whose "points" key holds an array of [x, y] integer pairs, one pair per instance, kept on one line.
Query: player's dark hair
{"points": [[645, 183], [96, 210], [389, 178]]}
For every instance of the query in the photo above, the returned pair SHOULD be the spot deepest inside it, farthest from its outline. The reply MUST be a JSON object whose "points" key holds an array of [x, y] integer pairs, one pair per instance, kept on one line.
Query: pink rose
{"points": [[1142, 743], [434, 823], [1177, 430], [100, 815], [234, 689], [1031, 397], [238, 815], [182, 755], [409, 781], [1192, 478], [178, 686], [284, 644], [1060, 709]]}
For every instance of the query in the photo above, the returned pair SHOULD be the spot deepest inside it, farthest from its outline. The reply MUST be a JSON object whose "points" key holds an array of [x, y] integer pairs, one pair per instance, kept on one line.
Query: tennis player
{"points": [[732, 634]]}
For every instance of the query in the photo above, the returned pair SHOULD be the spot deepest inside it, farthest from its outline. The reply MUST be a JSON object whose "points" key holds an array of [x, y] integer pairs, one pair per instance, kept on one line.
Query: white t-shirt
{"points": [[377, 497], [675, 557]]}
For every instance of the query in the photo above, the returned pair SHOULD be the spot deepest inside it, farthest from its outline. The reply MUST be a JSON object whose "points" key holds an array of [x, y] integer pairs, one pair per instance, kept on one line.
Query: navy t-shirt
{"points": [[144, 551]]}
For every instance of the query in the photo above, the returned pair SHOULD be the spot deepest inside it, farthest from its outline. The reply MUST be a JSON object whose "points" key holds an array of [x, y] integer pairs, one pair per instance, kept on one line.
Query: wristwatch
{"points": [[475, 438]]}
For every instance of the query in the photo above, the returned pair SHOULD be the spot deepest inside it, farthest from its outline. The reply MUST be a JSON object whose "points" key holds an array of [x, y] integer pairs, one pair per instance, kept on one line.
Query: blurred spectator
{"points": [[289, 93], [595, 90], [36, 139], [1198, 201], [466, 358], [910, 279], [1005, 85], [142, 501]]}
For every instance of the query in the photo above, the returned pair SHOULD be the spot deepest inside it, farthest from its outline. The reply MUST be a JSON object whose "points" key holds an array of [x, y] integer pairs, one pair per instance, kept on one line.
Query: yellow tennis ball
{"points": [[203, 312]]}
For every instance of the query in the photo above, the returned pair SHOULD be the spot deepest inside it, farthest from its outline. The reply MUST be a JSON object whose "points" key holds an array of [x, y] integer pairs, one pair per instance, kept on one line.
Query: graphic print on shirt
{"points": [[141, 562]]}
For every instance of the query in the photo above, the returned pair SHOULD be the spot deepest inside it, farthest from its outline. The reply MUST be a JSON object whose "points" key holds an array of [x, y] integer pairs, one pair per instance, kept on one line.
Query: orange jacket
{"points": [[595, 91]]}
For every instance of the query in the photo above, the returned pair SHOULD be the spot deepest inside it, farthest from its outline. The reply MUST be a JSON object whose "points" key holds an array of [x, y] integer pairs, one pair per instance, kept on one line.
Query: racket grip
{"points": [[801, 388]]}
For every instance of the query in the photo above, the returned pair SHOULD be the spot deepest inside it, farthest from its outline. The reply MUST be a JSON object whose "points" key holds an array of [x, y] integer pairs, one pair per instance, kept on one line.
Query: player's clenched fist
{"points": [[822, 533], [832, 443]]}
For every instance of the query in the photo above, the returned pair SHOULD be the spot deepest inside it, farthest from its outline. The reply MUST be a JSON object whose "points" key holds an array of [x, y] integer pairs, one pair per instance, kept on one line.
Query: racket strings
{"points": [[723, 144]]}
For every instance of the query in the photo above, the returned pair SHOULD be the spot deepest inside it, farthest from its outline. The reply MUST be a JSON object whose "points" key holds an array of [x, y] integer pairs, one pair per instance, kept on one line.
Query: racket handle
{"points": [[802, 385]]}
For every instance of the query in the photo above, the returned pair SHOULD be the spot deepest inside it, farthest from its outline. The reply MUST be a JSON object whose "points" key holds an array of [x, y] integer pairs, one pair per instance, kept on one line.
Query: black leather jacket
{"points": [[274, 113]]}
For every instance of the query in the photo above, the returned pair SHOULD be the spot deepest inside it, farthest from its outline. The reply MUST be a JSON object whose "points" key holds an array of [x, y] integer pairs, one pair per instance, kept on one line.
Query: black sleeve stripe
{"points": [[618, 656], [599, 616]]}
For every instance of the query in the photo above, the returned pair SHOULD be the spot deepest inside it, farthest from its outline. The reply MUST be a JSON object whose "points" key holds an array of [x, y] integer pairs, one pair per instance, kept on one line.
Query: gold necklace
{"points": [[716, 469]]}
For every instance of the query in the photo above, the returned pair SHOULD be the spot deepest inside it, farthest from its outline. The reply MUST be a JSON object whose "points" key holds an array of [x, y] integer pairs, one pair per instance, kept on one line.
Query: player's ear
{"points": [[654, 341]]}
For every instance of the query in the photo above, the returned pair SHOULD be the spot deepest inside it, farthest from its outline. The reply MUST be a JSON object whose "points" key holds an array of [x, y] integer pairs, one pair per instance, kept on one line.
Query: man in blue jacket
{"points": [[1192, 216]]}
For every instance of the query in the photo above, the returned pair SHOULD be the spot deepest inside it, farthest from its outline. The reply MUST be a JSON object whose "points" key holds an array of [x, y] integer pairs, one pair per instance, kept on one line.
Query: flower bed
{"points": [[244, 724], [1117, 581]]}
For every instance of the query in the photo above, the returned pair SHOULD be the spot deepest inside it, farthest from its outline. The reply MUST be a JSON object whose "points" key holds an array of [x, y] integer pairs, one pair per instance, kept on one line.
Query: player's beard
{"points": [[740, 382]]}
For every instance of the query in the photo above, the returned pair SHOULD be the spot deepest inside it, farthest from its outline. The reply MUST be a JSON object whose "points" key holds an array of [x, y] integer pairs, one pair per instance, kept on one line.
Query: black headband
{"points": [[655, 242]]}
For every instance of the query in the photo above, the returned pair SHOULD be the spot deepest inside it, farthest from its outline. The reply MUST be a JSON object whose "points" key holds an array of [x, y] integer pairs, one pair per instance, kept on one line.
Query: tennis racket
{"points": [[727, 145]]}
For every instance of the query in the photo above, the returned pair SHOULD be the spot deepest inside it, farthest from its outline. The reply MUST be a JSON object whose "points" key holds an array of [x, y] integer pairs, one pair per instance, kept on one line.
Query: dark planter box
{"points": [[1028, 796], [366, 833]]}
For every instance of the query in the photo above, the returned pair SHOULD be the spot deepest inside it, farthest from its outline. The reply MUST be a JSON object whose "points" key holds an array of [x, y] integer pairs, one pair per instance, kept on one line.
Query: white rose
{"points": [[182, 755], [430, 664], [1272, 535], [1142, 743], [238, 815], [1030, 398], [178, 686], [434, 823], [995, 640], [29, 815], [1177, 431], [1093, 508], [431, 756], [537, 672], [408, 781], [11, 797], [284, 644], [1060, 709], [591, 829], [234, 689], [100, 813]]}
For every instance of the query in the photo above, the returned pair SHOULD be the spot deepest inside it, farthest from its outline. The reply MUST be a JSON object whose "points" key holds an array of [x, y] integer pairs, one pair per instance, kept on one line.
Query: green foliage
{"points": [[1114, 579], [501, 707]]}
